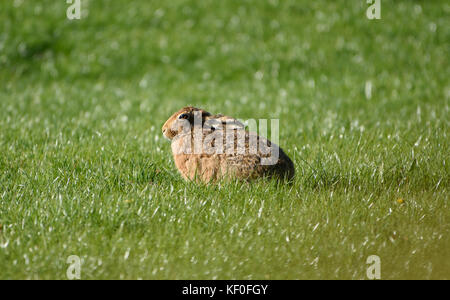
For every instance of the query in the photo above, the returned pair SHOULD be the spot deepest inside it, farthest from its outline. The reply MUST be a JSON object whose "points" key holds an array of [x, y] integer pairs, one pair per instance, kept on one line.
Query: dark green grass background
{"points": [[84, 169]]}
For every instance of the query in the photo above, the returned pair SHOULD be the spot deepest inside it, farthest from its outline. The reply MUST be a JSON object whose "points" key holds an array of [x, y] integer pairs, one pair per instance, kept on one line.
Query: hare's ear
{"points": [[231, 123], [205, 114], [224, 122]]}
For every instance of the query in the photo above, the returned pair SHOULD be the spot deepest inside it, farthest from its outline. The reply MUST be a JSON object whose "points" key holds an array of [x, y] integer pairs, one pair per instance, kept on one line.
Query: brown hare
{"points": [[210, 147]]}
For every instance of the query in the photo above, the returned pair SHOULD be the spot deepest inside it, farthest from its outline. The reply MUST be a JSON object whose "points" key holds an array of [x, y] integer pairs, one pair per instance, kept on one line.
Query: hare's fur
{"points": [[208, 165]]}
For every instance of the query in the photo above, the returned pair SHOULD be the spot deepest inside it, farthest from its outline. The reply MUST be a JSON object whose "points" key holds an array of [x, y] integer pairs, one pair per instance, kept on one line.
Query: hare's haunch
{"points": [[210, 147]]}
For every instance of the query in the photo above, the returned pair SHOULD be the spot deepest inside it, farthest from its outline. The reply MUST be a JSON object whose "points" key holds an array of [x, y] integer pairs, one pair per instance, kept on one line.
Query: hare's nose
{"points": [[164, 130]]}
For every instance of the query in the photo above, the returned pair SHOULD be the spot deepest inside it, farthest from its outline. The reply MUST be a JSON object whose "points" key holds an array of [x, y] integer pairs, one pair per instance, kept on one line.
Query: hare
{"points": [[208, 148]]}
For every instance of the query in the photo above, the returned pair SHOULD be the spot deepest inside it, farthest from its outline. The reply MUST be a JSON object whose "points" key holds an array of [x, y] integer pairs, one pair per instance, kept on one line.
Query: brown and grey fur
{"points": [[206, 167]]}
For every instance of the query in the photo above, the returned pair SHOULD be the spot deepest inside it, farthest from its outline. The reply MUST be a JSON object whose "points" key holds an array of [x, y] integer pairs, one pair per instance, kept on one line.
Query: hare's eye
{"points": [[183, 116]]}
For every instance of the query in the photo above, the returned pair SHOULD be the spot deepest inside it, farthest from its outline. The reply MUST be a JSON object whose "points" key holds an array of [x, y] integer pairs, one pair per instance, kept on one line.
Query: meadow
{"points": [[364, 114]]}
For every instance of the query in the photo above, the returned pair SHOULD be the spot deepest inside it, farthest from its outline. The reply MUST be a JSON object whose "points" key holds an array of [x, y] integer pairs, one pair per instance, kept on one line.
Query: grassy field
{"points": [[364, 114]]}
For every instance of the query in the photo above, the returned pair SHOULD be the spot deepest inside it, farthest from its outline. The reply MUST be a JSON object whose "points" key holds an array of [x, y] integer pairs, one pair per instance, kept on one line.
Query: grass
{"points": [[84, 169]]}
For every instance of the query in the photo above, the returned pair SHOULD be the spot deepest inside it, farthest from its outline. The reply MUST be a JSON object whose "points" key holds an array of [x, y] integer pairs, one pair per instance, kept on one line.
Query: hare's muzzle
{"points": [[165, 134]]}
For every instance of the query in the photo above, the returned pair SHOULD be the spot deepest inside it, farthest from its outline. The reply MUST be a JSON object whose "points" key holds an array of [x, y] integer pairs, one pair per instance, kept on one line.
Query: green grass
{"points": [[84, 169]]}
